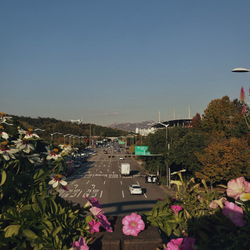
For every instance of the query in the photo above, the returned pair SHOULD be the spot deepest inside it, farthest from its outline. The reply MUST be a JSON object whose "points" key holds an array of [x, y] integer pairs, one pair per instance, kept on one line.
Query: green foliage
{"points": [[182, 153], [32, 215], [223, 115], [209, 227], [51, 125], [163, 217]]}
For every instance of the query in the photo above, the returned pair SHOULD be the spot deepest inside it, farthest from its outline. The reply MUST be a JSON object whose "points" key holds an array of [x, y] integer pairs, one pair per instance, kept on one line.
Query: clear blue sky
{"points": [[120, 61]]}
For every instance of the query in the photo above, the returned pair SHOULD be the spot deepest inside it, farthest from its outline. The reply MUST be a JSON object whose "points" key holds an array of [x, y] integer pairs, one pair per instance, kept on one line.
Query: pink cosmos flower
{"points": [[181, 244], [104, 222], [95, 210], [80, 244], [132, 224], [94, 226], [237, 186], [176, 208], [234, 213]]}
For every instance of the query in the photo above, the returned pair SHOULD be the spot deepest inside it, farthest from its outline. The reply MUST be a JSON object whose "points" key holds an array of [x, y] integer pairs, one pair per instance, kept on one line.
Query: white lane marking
{"points": [[104, 182], [122, 194], [138, 183], [145, 195], [121, 182], [101, 194], [79, 194]]}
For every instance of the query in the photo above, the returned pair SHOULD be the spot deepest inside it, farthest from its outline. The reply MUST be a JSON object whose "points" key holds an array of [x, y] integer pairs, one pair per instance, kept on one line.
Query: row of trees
{"points": [[215, 148], [51, 125]]}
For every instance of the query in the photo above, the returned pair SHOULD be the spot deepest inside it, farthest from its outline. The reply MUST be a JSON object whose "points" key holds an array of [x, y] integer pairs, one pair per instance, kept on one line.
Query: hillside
{"points": [[130, 127], [51, 125]]}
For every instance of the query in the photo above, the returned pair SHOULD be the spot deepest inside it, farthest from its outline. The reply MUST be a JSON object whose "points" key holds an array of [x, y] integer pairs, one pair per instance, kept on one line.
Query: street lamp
{"points": [[39, 129], [240, 70], [64, 136], [71, 136], [56, 133], [166, 126]]}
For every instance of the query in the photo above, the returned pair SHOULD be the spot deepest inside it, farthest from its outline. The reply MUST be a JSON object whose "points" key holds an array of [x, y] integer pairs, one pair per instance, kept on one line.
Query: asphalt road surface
{"points": [[100, 177]]}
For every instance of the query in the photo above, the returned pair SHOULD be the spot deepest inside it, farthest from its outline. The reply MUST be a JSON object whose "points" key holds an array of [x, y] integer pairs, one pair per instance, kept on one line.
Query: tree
{"points": [[196, 121], [224, 159], [182, 153], [224, 116]]}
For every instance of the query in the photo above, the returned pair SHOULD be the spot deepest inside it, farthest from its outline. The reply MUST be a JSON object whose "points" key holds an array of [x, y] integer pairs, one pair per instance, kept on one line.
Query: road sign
{"points": [[121, 142], [141, 150]]}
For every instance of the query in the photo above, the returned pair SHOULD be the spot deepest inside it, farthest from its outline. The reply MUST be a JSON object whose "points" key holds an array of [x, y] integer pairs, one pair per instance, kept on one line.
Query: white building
{"points": [[77, 121], [145, 131]]}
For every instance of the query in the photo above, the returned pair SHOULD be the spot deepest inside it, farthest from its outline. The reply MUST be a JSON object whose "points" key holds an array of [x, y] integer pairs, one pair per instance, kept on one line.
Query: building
{"points": [[145, 131]]}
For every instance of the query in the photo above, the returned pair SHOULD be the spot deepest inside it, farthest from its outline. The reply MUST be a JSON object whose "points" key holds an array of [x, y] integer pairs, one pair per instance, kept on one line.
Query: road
{"points": [[100, 177]]}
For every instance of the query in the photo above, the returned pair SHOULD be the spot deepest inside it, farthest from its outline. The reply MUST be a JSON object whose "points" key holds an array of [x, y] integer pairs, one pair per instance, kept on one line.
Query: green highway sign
{"points": [[141, 150], [121, 142]]}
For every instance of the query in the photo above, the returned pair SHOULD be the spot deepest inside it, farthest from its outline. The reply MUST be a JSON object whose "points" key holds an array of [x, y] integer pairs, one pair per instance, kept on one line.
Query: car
{"points": [[135, 189], [121, 158], [151, 179]]}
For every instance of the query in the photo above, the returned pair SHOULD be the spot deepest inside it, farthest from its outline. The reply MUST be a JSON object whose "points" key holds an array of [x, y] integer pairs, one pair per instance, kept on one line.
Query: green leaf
{"points": [[38, 174], [3, 177], [11, 230], [56, 231], [88, 218], [29, 234], [53, 207], [48, 224]]}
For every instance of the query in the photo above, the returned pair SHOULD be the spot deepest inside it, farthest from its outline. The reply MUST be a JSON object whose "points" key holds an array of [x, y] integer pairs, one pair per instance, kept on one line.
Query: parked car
{"points": [[135, 189]]}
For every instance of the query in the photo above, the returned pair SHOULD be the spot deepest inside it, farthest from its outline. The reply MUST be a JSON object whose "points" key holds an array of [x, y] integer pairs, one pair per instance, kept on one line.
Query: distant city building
{"points": [[77, 121], [145, 131]]}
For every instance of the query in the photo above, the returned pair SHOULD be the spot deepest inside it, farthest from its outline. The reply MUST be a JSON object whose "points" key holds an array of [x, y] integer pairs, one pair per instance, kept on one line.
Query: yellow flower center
{"points": [[55, 150], [133, 224]]}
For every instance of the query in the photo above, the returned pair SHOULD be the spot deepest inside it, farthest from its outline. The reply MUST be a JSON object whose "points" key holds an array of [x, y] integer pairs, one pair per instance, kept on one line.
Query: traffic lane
{"points": [[110, 188], [89, 183]]}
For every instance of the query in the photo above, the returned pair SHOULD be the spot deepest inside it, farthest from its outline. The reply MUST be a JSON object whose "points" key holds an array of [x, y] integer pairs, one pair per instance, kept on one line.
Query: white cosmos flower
{"points": [[30, 135], [57, 180], [24, 146], [4, 135], [8, 154], [54, 154]]}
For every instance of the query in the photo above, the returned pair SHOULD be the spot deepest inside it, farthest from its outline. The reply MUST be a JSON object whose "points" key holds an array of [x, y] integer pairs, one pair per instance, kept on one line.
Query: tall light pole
{"points": [[167, 145], [243, 70], [71, 136]]}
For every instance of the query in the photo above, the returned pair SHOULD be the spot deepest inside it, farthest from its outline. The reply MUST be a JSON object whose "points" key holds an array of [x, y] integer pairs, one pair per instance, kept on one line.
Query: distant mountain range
{"points": [[129, 126]]}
